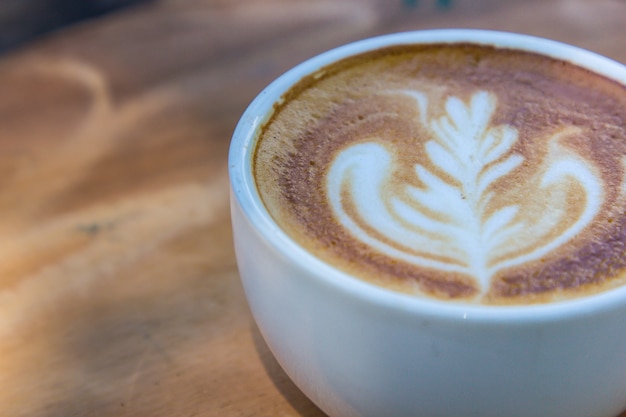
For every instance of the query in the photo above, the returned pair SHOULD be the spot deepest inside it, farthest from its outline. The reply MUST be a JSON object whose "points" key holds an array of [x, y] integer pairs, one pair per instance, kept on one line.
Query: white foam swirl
{"points": [[449, 222]]}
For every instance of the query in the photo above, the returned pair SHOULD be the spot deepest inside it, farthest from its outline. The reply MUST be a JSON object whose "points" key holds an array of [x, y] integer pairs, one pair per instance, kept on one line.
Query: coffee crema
{"points": [[459, 172]]}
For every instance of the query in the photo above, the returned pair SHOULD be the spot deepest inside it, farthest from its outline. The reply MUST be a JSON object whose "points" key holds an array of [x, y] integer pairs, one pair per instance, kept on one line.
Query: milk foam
{"points": [[460, 172], [451, 222]]}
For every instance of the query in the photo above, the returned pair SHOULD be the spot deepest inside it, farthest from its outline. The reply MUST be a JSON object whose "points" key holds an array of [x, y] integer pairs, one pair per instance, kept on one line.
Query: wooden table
{"points": [[119, 293]]}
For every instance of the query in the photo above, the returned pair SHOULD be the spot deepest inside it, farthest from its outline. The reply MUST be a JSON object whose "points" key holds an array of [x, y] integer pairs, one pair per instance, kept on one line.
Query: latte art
{"points": [[458, 172], [449, 222]]}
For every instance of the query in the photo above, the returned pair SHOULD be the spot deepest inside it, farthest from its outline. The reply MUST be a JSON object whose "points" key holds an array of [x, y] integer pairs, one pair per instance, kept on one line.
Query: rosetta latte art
{"points": [[446, 219]]}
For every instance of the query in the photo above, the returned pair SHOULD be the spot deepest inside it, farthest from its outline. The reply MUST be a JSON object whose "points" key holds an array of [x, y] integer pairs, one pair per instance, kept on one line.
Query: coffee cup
{"points": [[432, 223]]}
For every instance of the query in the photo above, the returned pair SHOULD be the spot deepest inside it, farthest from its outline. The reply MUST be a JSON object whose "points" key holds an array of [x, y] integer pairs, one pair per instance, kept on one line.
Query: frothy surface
{"points": [[457, 172]]}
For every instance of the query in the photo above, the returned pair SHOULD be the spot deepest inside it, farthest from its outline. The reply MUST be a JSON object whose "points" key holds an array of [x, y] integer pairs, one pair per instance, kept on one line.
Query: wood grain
{"points": [[119, 294]]}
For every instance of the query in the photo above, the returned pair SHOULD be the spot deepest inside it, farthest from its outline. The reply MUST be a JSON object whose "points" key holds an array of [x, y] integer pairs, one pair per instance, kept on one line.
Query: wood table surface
{"points": [[119, 292]]}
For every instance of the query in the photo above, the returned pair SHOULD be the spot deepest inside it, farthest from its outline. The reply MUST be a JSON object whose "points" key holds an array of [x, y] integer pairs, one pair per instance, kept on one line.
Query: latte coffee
{"points": [[454, 171]]}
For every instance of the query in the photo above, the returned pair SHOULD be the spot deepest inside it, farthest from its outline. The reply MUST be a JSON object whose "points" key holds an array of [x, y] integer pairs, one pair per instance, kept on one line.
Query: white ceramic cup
{"points": [[357, 349]]}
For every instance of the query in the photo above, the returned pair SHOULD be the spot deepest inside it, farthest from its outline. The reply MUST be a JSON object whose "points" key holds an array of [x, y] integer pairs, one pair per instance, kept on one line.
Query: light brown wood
{"points": [[119, 293]]}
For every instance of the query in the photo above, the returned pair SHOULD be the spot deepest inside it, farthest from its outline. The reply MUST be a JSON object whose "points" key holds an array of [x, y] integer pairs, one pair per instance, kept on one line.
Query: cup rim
{"points": [[244, 191]]}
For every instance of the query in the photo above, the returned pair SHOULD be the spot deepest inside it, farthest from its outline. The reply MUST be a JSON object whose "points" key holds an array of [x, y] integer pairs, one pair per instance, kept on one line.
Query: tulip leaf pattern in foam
{"points": [[448, 223]]}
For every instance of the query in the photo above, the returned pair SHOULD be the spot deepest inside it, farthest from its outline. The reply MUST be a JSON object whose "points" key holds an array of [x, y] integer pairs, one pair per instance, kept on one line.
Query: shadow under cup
{"points": [[357, 349]]}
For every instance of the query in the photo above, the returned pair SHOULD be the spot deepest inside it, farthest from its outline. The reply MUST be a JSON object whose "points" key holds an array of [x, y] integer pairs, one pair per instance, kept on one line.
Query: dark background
{"points": [[24, 20]]}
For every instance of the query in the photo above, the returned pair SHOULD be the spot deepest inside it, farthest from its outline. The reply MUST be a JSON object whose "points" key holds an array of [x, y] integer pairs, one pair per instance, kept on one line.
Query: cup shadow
{"points": [[296, 398]]}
